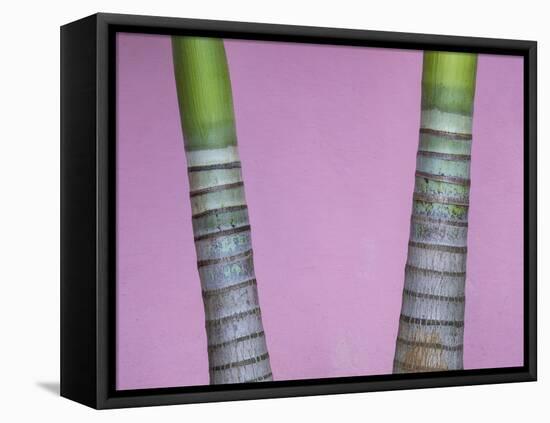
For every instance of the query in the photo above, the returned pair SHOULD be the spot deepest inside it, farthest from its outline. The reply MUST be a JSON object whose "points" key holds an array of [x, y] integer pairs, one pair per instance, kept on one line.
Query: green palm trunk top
{"points": [[449, 82], [204, 92]]}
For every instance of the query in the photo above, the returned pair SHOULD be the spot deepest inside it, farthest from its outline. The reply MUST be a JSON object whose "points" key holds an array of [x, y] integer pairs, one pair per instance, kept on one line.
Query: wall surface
{"points": [[29, 170], [328, 139]]}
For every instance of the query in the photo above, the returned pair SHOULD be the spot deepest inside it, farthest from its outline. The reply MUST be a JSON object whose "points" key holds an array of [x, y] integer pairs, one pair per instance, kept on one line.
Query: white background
{"points": [[29, 216]]}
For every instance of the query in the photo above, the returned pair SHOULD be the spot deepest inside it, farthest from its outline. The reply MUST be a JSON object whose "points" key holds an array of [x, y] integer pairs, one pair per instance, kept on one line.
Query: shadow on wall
{"points": [[51, 387]]}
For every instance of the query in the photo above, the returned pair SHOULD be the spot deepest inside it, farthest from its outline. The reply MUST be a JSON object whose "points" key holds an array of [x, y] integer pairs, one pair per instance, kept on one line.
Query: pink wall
{"points": [[328, 138]]}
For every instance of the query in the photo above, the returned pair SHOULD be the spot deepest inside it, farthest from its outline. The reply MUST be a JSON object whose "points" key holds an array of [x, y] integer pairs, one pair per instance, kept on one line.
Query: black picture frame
{"points": [[88, 210]]}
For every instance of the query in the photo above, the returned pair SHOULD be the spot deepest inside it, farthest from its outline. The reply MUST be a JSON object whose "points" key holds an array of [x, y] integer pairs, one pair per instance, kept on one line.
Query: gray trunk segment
{"points": [[237, 349], [431, 323]]}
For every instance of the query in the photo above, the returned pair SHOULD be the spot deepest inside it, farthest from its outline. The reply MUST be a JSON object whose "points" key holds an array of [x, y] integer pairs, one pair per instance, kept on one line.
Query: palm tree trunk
{"points": [[237, 350], [431, 324]]}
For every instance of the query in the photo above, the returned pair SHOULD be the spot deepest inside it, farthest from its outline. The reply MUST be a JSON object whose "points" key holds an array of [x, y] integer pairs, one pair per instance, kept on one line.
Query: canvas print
{"points": [[290, 211]]}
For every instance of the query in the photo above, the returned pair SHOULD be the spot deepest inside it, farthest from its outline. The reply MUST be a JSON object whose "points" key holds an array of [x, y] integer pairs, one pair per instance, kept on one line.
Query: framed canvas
{"points": [[257, 211]]}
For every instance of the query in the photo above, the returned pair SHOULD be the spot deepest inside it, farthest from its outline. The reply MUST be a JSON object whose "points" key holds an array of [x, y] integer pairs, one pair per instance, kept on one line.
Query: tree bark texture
{"points": [[237, 349], [431, 324]]}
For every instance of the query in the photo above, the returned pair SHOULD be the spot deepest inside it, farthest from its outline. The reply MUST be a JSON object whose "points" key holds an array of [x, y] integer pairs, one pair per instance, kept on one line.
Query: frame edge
{"points": [[78, 212]]}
